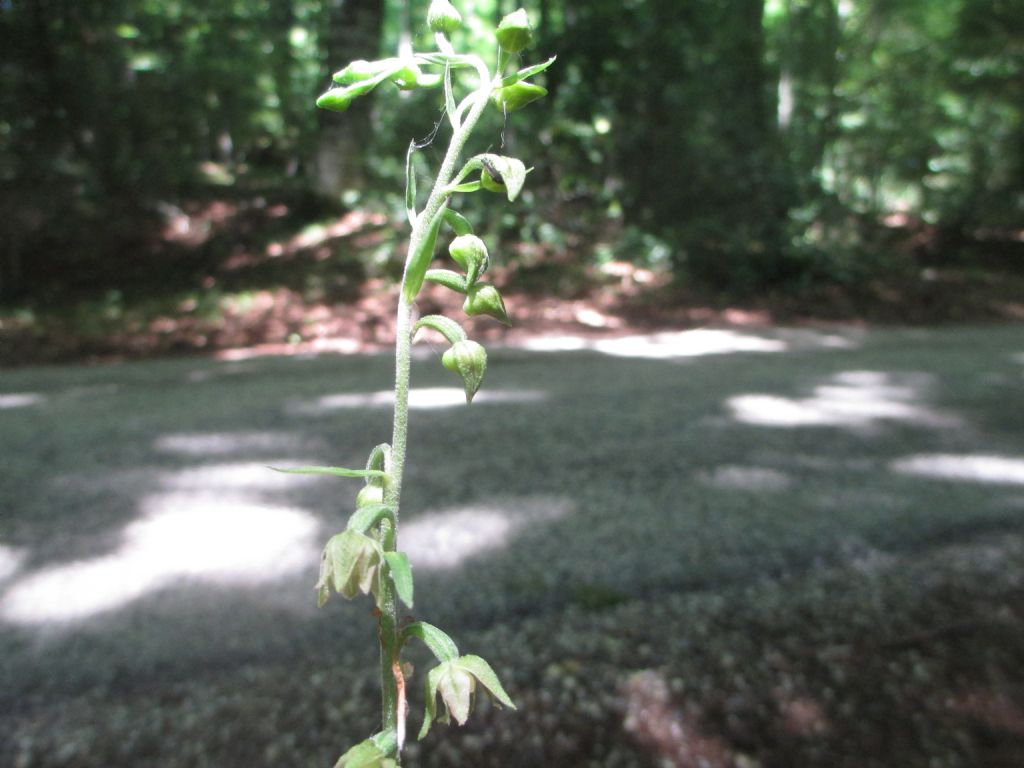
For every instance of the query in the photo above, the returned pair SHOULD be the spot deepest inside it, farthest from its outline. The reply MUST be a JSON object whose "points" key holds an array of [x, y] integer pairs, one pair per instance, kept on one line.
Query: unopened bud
{"points": [[360, 70], [470, 253], [484, 299], [469, 360], [514, 32], [443, 17], [370, 494], [513, 97], [340, 99]]}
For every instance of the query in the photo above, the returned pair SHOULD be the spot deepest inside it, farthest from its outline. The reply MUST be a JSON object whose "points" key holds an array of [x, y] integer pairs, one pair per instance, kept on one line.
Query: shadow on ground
{"points": [[702, 549]]}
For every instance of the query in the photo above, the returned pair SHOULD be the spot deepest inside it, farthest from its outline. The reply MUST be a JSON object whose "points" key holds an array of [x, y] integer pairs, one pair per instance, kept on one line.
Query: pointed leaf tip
{"points": [[483, 672], [401, 575]]}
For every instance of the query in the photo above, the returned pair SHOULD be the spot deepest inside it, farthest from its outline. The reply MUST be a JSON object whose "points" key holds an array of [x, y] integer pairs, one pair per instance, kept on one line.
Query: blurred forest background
{"points": [[168, 184]]}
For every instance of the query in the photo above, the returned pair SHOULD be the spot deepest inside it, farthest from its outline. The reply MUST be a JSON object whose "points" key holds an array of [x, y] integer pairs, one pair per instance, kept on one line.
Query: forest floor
{"points": [[715, 548], [254, 276], [689, 532]]}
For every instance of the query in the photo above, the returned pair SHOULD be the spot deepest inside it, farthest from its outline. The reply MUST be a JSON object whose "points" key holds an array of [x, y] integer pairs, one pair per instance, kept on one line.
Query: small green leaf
{"points": [[459, 223], [469, 186], [366, 517], [416, 269], [374, 752], [430, 708], [333, 471], [443, 325], [449, 98], [410, 182], [482, 671], [453, 60], [527, 72], [401, 575], [447, 278], [380, 458], [442, 646]]}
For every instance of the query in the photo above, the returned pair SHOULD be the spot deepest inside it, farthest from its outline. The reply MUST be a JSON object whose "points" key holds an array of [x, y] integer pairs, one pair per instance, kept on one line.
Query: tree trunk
{"points": [[353, 32]]}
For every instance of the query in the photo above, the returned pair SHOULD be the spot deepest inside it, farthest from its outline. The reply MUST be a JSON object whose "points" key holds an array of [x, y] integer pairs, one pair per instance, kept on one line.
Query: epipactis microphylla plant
{"points": [[364, 558]]}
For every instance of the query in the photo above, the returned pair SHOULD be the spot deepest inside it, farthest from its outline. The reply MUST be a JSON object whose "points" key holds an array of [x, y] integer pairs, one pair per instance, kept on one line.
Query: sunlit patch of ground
{"points": [[420, 398], [851, 399], [208, 524], [972, 468], [217, 539], [446, 538]]}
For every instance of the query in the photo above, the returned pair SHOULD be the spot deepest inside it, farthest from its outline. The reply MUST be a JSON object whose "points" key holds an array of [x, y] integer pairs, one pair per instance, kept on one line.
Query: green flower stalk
{"points": [[364, 559]]}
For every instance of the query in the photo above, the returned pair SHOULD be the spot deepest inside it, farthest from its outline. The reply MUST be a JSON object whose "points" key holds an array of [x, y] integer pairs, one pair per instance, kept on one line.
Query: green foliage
{"points": [[761, 142]]}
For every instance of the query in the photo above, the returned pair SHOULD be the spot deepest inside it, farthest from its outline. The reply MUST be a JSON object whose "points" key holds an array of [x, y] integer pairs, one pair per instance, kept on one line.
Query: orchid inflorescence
{"points": [[364, 558]]}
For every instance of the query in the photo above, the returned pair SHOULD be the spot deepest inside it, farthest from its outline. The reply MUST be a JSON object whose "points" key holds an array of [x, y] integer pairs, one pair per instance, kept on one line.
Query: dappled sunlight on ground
{"points": [[975, 468], [20, 400], [208, 524], [745, 479], [660, 346], [438, 540], [674, 736], [216, 443], [425, 398], [693, 343], [10, 561], [852, 399], [243, 477]]}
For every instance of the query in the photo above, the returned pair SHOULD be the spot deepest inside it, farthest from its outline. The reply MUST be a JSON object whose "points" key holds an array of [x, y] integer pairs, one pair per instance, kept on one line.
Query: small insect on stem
{"points": [[492, 170]]}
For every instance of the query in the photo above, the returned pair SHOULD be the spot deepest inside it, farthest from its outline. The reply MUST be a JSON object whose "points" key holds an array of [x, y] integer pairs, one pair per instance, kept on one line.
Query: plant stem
{"points": [[389, 644]]}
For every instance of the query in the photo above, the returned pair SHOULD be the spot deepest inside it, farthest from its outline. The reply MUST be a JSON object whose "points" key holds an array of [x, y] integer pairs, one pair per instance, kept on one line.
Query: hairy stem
{"points": [[389, 643]]}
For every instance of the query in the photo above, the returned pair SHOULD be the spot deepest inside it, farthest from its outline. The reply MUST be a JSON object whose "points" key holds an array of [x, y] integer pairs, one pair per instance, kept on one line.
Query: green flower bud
{"points": [[484, 299], [429, 80], [340, 99], [350, 564], [443, 17], [410, 77], [361, 70], [407, 76], [513, 97], [370, 494], [470, 253], [514, 32], [505, 175], [469, 360]]}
